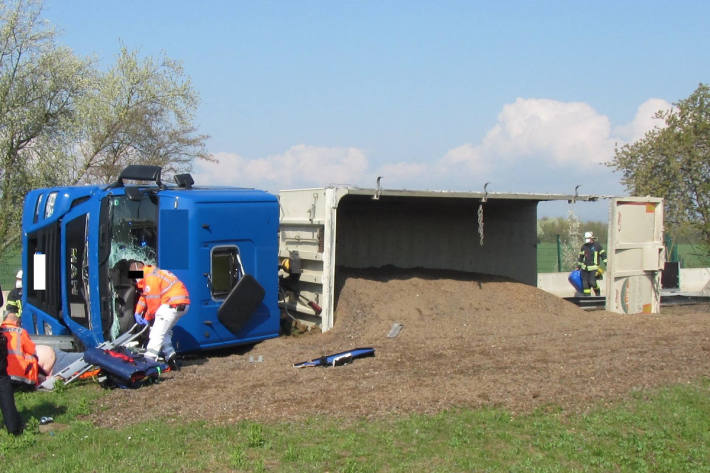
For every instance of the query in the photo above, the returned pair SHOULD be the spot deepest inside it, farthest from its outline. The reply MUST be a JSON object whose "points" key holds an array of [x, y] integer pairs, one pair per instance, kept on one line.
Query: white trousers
{"points": [[161, 333]]}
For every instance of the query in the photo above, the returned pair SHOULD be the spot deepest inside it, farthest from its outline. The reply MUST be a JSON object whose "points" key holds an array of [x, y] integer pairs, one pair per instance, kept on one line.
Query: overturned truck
{"points": [[77, 242], [246, 255]]}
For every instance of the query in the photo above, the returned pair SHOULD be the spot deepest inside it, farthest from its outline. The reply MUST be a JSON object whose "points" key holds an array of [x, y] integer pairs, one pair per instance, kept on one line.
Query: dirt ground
{"points": [[466, 341]]}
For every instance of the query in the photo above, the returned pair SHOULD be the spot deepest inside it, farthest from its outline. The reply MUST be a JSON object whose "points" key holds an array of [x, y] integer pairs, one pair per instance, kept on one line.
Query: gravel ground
{"points": [[466, 341]]}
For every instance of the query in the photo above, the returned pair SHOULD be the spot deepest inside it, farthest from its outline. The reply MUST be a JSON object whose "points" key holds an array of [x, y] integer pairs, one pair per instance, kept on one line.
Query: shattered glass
{"points": [[133, 227]]}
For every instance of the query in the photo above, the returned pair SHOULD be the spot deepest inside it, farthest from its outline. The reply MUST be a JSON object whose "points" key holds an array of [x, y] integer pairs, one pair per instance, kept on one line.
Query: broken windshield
{"points": [[129, 230]]}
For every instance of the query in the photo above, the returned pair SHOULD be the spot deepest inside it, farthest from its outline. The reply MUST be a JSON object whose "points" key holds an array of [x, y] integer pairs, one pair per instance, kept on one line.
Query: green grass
{"points": [[9, 264], [693, 256], [659, 431]]}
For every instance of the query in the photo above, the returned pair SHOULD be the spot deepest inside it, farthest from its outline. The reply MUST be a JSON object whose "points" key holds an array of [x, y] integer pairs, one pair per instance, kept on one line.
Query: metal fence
{"points": [[689, 256], [549, 258]]}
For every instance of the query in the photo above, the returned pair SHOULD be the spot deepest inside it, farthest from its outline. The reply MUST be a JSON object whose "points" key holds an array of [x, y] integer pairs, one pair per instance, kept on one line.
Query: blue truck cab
{"points": [[77, 242]]}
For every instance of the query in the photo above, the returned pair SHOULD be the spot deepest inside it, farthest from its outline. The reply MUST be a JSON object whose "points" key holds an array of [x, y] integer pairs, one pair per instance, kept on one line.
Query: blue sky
{"points": [[529, 96]]}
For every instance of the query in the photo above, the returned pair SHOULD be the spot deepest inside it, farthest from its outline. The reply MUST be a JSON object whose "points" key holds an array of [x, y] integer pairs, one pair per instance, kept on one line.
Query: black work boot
{"points": [[172, 363]]}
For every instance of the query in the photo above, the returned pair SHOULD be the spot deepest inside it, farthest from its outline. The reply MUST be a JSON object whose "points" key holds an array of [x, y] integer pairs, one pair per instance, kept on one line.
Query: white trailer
{"points": [[332, 228]]}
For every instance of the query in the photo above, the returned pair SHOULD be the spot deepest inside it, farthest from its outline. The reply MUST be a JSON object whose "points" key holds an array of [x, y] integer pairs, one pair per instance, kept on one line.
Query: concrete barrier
{"points": [[692, 280], [695, 280], [555, 283]]}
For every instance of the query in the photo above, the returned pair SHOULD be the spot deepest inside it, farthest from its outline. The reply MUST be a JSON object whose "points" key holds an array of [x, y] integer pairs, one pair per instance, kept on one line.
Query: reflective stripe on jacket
{"points": [[22, 362], [14, 299], [591, 255], [158, 287]]}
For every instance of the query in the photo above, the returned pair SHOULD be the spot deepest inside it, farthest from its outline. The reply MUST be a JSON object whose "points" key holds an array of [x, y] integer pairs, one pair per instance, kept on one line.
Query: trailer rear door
{"points": [[636, 255]]}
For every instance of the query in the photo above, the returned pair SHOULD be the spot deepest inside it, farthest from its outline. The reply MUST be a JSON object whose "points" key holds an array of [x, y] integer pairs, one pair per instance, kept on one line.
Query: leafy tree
{"points": [[673, 162], [570, 232], [140, 111], [570, 250], [39, 82], [63, 122], [549, 228]]}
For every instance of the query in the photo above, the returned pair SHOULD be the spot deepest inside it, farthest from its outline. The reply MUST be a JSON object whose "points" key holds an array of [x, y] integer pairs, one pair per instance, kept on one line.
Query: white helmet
{"points": [[18, 279], [588, 236]]}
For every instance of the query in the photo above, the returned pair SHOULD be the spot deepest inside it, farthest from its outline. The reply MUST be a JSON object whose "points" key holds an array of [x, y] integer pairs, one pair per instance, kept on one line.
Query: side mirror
{"points": [[184, 180]]}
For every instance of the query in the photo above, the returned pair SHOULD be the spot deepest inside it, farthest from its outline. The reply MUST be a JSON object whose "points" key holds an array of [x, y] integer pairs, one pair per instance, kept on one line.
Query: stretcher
{"points": [[81, 366], [120, 367]]}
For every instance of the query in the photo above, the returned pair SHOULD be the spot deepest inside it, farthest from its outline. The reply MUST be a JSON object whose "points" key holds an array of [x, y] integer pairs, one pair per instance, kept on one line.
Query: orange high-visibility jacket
{"points": [[22, 362], [158, 287]]}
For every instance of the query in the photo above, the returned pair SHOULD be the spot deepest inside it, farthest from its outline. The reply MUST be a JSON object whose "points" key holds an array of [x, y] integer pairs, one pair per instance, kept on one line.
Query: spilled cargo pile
{"points": [[462, 340]]}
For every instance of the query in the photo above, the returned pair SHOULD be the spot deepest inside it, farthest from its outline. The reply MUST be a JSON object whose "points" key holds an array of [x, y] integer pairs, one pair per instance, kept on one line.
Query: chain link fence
{"points": [[551, 257]]}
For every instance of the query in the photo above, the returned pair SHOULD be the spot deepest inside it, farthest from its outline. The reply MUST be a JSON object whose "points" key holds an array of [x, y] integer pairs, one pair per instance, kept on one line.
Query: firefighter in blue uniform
{"points": [[591, 256]]}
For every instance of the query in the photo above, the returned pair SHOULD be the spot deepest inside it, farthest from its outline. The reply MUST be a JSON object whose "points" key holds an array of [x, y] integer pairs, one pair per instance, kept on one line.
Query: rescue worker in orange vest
{"points": [[163, 300], [27, 364]]}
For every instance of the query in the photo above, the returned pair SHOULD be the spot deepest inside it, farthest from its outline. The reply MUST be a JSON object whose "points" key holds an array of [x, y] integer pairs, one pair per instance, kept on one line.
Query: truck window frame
{"points": [[39, 208], [50, 204], [76, 262], [225, 270]]}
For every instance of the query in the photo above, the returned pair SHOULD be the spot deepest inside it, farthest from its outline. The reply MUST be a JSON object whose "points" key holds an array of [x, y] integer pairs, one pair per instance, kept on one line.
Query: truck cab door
{"points": [[79, 279]]}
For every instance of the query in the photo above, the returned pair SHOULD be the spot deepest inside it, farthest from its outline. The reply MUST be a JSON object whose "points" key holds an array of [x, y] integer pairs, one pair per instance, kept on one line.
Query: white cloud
{"points": [[644, 120], [548, 130], [299, 166], [536, 145], [570, 132], [543, 145], [467, 155]]}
